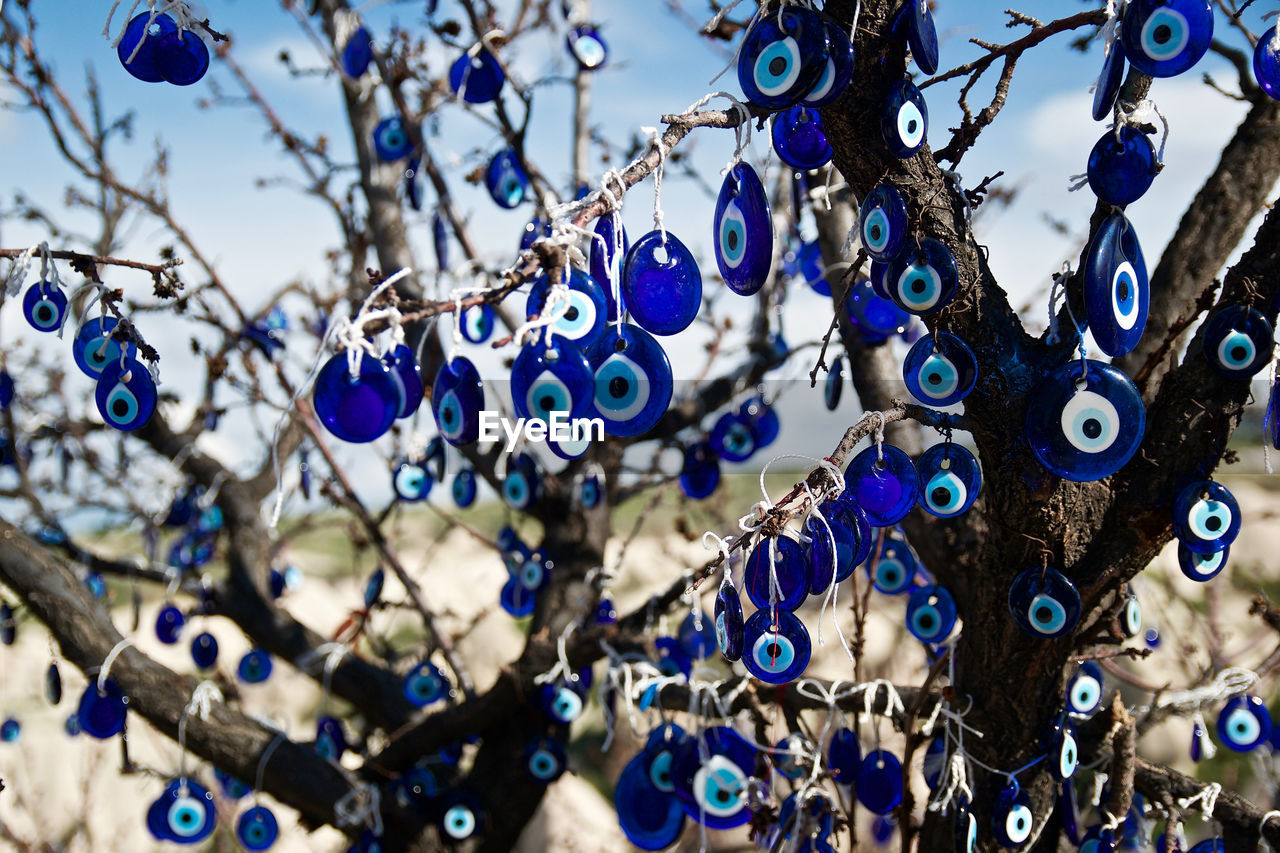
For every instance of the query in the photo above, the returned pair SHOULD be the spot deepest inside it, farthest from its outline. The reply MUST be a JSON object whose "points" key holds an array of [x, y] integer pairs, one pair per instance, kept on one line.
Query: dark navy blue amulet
{"points": [[360, 408], [583, 320], [1044, 603], [884, 483], [1206, 517], [923, 277], [882, 222], [950, 478], [904, 120], [1122, 166], [1116, 292], [776, 652], [940, 369], [782, 57], [476, 76], [1238, 341], [800, 139], [457, 397], [506, 180], [126, 395], [743, 231], [633, 384], [1085, 424], [1164, 38], [551, 378]]}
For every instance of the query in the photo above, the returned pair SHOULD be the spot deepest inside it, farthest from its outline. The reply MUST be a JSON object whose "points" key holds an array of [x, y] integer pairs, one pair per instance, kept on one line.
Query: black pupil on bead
{"points": [[547, 402], [941, 494], [1043, 614], [723, 797], [1239, 727], [875, 232], [1122, 289], [44, 312], [1091, 428], [1239, 353], [1162, 34], [732, 239], [618, 387], [926, 621], [1213, 523], [934, 379], [447, 416], [778, 66], [571, 314], [120, 408], [773, 650], [918, 286], [911, 126]]}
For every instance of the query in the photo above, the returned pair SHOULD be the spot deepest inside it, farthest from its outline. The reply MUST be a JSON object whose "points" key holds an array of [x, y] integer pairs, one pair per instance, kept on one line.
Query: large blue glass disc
{"points": [[931, 613], [1244, 723], [1266, 63], [700, 473], [904, 121], [880, 782], [661, 284], [838, 70], [1011, 817], [1164, 38], [940, 369], [633, 383], [882, 222], [357, 53], [140, 62], [844, 756], [1116, 294], [1238, 341], [651, 819], [885, 489], [1044, 603], [921, 34], [609, 246], [506, 180], [923, 277], [126, 395], [894, 571], [1109, 80], [789, 566], [478, 78], [181, 58], [831, 550], [1121, 168], [552, 379], [583, 322], [799, 138], [729, 623], [1085, 428], [390, 140], [1206, 517], [950, 478], [45, 306], [408, 373], [875, 317], [94, 347], [743, 231], [457, 398], [101, 713], [360, 409], [782, 57], [712, 785], [1201, 566]]}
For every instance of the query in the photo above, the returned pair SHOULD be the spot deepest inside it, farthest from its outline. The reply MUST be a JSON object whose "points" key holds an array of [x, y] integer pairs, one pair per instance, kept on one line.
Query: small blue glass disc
{"points": [[126, 395], [357, 53], [661, 284], [844, 756], [391, 140], [257, 829], [782, 57], [1201, 566], [356, 410], [255, 667], [477, 78], [424, 684], [1011, 817], [732, 438], [729, 623], [940, 369], [931, 613], [1044, 603], [477, 323], [609, 246], [743, 231], [800, 139], [181, 58], [875, 317], [882, 222], [1087, 427], [584, 320], [587, 47], [1116, 293], [463, 488], [1238, 341], [886, 489], [921, 33], [140, 61], [1084, 690], [1266, 63], [94, 348], [1122, 168], [830, 551], [407, 374], [1244, 723], [506, 180], [700, 473], [950, 478], [101, 713], [204, 650], [880, 782], [895, 570], [457, 398], [923, 277], [650, 818], [1206, 517], [1164, 38], [1109, 80], [775, 653], [45, 306], [169, 624], [904, 121], [789, 566]]}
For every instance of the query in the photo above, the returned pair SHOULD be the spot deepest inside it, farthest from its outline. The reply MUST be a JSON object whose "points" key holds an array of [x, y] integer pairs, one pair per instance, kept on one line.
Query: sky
{"points": [[262, 236]]}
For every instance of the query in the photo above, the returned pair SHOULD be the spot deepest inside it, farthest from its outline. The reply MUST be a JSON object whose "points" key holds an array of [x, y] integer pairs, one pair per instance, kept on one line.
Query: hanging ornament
{"points": [[1116, 292], [800, 139], [1164, 38], [1044, 603], [1085, 420], [661, 284], [940, 369], [743, 230], [904, 120], [1122, 166], [782, 57], [476, 76]]}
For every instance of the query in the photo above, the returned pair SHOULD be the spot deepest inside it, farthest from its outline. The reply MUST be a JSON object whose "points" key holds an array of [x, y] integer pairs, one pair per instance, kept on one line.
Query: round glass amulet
{"points": [[1086, 427], [1122, 167], [885, 488], [358, 409], [743, 230], [661, 284]]}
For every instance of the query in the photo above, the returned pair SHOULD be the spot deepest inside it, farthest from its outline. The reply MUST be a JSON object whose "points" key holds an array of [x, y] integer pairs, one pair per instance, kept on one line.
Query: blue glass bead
{"points": [[761, 418], [931, 613], [357, 53], [1238, 341], [562, 702], [10, 730], [743, 231], [424, 684], [72, 724], [904, 122], [700, 473], [882, 223], [782, 57], [788, 565], [830, 551], [880, 782], [391, 140], [204, 650], [915, 23], [1209, 845], [895, 570], [1164, 38], [650, 818], [875, 317], [257, 829], [126, 395], [522, 485], [935, 761], [8, 627], [807, 264], [45, 307], [1206, 517], [1121, 168], [587, 47], [584, 320], [181, 58], [477, 323], [950, 478], [411, 481], [142, 29], [792, 756], [476, 77], [697, 636], [440, 240], [169, 624], [844, 756], [1044, 603], [545, 759], [1201, 566], [1063, 751], [185, 813], [464, 488], [358, 409], [879, 281], [1116, 293], [606, 612], [1109, 80], [254, 667], [1131, 617], [732, 438], [922, 278], [96, 584], [533, 572], [1011, 817], [101, 713], [710, 774], [800, 139], [1244, 723], [775, 652], [515, 599], [833, 386], [6, 390], [672, 661], [1152, 637], [461, 816], [609, 246], [407, 376], [94, 348], [940, 369], [847, 512], [457, 398], [885, 489], [373, 587], [1085, 430], [729, 623], [535, 230], [1266, 63], [506, 179], [590, 489], [838, 68], [552, 379], [661, 284]]}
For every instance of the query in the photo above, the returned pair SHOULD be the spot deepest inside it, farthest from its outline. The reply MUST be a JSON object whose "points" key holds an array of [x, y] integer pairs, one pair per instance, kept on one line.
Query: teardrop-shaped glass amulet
{"points": [[661, 284]]}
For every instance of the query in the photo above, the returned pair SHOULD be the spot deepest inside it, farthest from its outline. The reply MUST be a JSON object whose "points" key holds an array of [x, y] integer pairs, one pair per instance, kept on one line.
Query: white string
{"points": [[360, 805], [830, 598], [1227, 683], [1111, 29], [1201, 733], [1207, 798], [657, 180], [202, 699], [1262, 825], [556, 306], [561, 671], [1141, 112], [262, 764], [105, 671], [716, 19], [18, 271], [878, 435]]}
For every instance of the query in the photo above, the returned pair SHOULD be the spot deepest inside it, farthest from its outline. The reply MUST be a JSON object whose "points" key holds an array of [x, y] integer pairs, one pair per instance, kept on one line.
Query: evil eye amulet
{"points": [[257, 829], [506, 180], [833, 386], [1084, 690], [181, 58], [931, 614], [782, 57], [729, 623], [743, 231], [940, 369], [609, 246], [552, 379], [880, 782], [545, 759], [1206, 517], [1109, 80], [101, 712], [661, 284], [1164, 38], [791, 758], [697, 636], [94, 348], [1011, 817], [1244, 723], [844, 756], [45, 306], [407, 374], [477, 78], [1266, 63], [357, 53], [799, 138], [732, 438], [1064, 752], [838, 70], [204, 650], [169, 623], [561, 702], [126, 395], [185, 813], [904, 121], [895, 569], [141, 29], [477, 323], [788, 565], [1044, 603], [358, 409], [457, 398], [1201, 566], [255, 667], [830, 551], [887, 488], [424, 684], [1122, 166], [935, 761], [1085, 428], [1116, 292], [587, 47], [461, 816], [775, 653], [713, 790], [915, 22], [875, 317], [583, 321], [1238, 341], [923, 278], [950, 478], [390, 140], [522, 486], [651, 818], [882, 222], [633, 384], [700, 472]]}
